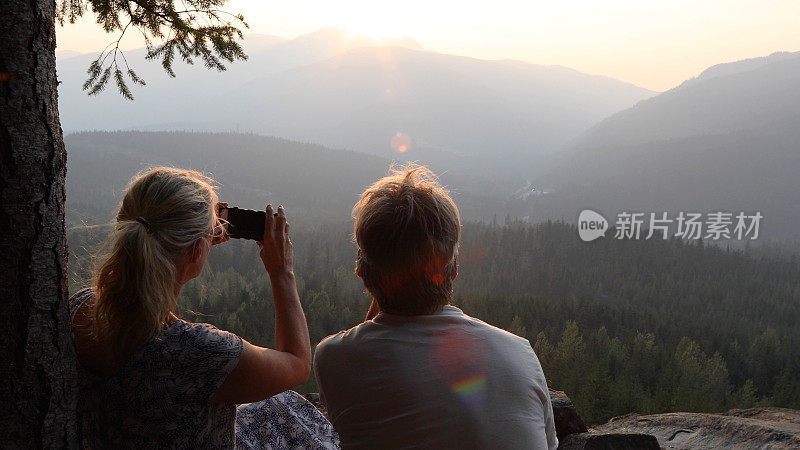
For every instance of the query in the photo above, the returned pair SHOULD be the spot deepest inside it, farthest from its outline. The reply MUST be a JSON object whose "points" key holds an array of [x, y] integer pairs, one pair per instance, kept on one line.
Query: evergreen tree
{"points": [[38, 390]]}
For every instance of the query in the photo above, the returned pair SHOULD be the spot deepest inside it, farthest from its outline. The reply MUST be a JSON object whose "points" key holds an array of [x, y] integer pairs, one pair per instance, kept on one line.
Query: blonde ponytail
{"points": [[164, 213]]}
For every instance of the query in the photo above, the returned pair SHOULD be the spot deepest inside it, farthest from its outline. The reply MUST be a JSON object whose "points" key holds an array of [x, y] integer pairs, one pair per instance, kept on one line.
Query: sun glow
{"points": [[656, 45], [381, 24]]}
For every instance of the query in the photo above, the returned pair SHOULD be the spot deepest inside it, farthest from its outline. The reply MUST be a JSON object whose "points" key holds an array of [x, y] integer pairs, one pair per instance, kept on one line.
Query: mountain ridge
{"points": [[727, 142], [359, 94]]}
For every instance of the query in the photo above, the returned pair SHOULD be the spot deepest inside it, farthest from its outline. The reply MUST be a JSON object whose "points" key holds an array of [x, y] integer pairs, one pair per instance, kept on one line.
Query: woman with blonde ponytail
{"points": [[151, 380]]}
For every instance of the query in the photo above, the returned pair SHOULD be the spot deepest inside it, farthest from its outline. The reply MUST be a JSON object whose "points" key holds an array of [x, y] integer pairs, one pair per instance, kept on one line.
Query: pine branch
{"points": [[167, 31]]}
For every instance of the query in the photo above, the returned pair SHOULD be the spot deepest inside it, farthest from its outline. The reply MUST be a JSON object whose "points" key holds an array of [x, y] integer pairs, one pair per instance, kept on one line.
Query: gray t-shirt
{"points": [[160, 398], [444, 380]]}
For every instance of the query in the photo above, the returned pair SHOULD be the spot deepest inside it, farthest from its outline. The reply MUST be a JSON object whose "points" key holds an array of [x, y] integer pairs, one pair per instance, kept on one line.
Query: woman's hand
{"points": [[263, 372], [276, 247]]}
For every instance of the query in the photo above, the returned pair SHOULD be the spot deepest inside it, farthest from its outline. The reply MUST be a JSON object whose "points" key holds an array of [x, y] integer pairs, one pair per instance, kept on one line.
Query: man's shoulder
{"points": [[495, 333], [343, 338], [367, 334], [330, 342], [353, 344]]}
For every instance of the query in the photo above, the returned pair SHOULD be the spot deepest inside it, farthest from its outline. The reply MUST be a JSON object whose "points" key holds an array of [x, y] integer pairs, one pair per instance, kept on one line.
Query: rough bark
{"points": [[37, 363]]}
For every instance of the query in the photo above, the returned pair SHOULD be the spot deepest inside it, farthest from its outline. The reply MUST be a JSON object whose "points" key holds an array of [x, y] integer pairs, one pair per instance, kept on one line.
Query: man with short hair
{"points": [[419, 373]]}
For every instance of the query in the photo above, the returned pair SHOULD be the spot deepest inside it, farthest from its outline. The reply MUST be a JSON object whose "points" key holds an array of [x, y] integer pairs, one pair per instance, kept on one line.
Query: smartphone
{"points": [[244, 223]]}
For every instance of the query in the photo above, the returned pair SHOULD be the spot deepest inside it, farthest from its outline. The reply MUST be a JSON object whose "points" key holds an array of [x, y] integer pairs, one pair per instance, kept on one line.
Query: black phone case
{"points": [[246, 223]]}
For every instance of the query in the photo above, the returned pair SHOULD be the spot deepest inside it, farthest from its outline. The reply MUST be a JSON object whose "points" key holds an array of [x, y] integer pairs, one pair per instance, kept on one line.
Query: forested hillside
{"points": [[316, 182], [621, 326]]}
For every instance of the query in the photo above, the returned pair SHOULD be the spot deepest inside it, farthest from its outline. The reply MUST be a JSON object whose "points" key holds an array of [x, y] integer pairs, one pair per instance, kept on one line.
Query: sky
{"points": [[653, 44]]}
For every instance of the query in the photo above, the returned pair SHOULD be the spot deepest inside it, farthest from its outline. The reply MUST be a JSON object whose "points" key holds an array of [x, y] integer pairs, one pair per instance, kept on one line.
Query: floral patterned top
{"points": [[160, 398]]}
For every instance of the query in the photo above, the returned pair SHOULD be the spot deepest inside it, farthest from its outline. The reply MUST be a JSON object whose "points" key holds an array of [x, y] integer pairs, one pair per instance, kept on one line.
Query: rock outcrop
{"points": [[739, 428], [573, 434], [566, 417], [615, 441]]}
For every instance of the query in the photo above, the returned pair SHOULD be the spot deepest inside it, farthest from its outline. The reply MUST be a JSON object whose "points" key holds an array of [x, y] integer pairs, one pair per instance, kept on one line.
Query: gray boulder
{"points": [[755, 428], [573, 434], [566, 417], [608, 441]]}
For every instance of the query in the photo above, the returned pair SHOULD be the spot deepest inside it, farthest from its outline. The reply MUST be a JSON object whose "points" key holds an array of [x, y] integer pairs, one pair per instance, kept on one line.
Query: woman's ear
{"points": [[198, 252], [195, 259]]}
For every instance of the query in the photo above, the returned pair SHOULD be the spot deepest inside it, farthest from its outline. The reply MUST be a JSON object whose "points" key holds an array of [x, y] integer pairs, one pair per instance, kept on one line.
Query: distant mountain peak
{"points": [[404, 42], [336, 33], [744, 65], [333, 35], [257, 41], [352, 91], [66, 54]]}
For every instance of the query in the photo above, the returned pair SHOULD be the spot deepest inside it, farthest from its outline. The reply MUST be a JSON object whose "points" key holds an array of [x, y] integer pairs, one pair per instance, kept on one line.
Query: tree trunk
{"points": [[37, 357]]}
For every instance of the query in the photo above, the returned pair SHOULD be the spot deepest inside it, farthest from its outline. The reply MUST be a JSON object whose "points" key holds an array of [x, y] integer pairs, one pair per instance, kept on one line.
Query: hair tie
{"points": [[144, 222]]}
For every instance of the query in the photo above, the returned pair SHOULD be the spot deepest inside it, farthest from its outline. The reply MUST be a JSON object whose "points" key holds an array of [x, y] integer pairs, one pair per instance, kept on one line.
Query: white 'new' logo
{"points": [[591, 225]]}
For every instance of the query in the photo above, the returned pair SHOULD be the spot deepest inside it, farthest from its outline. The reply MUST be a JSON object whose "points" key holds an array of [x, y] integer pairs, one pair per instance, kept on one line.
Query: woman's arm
{"points": [[263, 372]]}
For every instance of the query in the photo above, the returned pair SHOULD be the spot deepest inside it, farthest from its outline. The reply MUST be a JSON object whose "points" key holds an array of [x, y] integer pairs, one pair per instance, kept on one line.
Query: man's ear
{"points": [[359, 272]]}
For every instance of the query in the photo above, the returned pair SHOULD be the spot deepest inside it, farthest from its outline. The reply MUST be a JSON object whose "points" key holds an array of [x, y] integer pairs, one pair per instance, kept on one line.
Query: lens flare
{"points": [[400, 142], [469, 387], [459, 360]]}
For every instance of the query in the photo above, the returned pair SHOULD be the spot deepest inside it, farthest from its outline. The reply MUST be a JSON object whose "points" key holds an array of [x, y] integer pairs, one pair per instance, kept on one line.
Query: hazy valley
{"points": [[622, 326], [511, 138]]}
